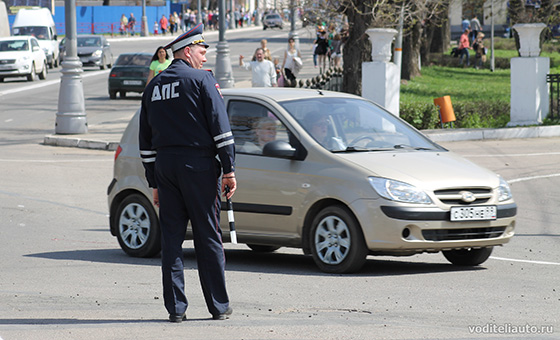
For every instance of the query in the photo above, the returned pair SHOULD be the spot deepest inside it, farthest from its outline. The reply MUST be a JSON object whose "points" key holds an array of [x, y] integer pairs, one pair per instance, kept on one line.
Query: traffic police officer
{"points": [[183, 126]]}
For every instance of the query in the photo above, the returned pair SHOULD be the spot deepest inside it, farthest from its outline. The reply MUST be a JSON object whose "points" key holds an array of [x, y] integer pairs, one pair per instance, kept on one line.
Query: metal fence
{"points": [[554, 83], [331, 80]]}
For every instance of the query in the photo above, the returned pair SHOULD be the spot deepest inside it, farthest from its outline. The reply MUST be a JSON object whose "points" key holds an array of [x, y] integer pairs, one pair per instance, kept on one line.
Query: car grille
{"points": [[85, 54], [7, 61], [462, 234], [455, 196]]}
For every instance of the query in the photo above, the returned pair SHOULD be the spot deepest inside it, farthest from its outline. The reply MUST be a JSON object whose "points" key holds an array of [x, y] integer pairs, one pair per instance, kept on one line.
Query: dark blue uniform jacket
{"points": [[183, 107]]}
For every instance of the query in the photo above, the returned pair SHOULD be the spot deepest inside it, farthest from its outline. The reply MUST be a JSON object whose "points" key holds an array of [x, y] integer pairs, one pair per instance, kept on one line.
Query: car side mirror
{"points": [[55, 38], [36, 48], [279, 149]]}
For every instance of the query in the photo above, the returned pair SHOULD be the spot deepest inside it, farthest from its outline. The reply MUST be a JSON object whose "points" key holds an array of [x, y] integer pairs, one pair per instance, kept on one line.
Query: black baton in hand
{"points": [[231, 220]]}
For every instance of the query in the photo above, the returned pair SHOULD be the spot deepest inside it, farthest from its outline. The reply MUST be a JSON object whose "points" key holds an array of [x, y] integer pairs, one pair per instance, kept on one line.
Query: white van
{"points": [[38, 22]]}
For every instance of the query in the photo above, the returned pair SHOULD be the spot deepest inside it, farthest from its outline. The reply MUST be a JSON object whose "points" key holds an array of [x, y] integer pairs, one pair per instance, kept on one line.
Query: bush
{"points": [[480, 114]]}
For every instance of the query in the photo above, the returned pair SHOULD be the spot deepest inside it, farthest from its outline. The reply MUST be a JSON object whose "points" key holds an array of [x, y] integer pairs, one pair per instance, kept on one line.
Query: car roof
{"points": [[136, 53], [281, 94]]}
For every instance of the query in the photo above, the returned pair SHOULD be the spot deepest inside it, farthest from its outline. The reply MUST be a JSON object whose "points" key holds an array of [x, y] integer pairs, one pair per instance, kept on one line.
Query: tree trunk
{"points": [[357, 49], [411, 51]]}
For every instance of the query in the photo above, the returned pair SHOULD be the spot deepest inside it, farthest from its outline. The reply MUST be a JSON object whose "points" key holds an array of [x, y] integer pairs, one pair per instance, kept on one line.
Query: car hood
{"points": [[13, 54], [430, 170]]}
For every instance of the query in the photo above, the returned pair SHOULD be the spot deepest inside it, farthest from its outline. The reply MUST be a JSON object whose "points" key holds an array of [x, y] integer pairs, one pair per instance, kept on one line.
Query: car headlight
{"points": [[398, 191], [504, 191], [97, 53]]}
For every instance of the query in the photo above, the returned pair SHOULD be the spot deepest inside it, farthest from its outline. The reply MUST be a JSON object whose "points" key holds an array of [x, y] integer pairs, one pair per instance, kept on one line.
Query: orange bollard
{"points": [[446, 113]]}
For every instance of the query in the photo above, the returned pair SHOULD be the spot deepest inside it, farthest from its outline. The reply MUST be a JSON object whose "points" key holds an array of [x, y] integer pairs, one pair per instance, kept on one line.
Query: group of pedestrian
{"points": [[472, 38], [327, 46], [126, 25]]}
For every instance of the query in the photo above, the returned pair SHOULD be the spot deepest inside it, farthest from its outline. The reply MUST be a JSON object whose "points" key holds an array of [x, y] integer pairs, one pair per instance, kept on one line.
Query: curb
{"points": [[455, 135], [70, 142]]}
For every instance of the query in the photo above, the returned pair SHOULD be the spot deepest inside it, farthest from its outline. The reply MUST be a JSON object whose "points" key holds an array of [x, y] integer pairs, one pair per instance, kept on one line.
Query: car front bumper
{"points": [[394, 229]]}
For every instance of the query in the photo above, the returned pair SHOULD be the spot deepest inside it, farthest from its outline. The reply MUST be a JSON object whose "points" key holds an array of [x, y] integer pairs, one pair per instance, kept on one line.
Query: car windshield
{"points": [[273, 16], [89, 42], [39, 32], [13, 45], [134, 60], [355, 125]]}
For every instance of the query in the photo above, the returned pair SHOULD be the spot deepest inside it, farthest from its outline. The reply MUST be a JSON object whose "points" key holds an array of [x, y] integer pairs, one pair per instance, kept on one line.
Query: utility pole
{"points": [[293, 33], [71, 115], [144, 30]]}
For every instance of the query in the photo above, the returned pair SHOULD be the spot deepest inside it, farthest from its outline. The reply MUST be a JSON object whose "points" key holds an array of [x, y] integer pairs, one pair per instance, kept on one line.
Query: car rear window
{"points": [[134, 60]]}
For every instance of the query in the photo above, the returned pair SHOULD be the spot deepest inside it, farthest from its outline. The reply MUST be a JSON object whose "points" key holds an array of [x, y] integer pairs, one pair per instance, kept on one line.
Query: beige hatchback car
{"points": [[337, 176]]}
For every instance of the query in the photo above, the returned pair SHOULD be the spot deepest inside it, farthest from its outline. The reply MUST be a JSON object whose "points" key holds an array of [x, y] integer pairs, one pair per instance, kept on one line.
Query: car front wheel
{"points": [[337, 242], [138, 227], [31, 76], [468, 257]]}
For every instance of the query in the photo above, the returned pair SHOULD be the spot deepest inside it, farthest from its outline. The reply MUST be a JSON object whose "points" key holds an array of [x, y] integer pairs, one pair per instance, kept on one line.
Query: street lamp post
{"points": [[231, 15], [293, 33], [144, 30], [224, 72], [71, 114]]}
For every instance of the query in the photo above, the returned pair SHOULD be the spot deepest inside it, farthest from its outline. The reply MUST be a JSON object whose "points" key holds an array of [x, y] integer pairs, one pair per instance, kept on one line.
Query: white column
{"points": [[381, 77], [529, 91]]}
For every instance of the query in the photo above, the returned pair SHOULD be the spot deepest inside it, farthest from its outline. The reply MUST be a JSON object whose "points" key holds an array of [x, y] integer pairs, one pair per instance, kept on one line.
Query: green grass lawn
{"points": [[461, 84]]}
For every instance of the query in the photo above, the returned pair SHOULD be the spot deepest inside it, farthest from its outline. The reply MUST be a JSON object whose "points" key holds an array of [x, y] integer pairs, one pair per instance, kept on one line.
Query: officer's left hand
{"points": [[229, 181]]}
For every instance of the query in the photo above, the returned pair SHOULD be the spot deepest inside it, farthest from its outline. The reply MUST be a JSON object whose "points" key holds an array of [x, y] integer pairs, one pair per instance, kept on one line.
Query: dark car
{"points": [[129, 74], [93, 50]]}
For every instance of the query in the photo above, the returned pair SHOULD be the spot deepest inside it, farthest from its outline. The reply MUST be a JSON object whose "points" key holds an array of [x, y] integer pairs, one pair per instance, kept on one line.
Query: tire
{"points": [[43, 74], [138, 227], [102, 65], [113, 94], [123, 94], [337, 242], [1, 79], [264, 28], [468, 257], [55, 61], [262, 249], [31, 76]]}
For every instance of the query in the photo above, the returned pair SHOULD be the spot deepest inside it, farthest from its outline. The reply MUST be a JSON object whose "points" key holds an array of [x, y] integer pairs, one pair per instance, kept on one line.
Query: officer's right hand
{"points": [[229, 181]]}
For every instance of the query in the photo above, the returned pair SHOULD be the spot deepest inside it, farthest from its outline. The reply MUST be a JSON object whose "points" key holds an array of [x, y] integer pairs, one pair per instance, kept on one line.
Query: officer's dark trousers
{"points": [[188, 189]]}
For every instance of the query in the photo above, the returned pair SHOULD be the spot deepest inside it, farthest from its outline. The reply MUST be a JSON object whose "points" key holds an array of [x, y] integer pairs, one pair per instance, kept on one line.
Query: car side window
{"points": [[253, 126], [34, 43]]}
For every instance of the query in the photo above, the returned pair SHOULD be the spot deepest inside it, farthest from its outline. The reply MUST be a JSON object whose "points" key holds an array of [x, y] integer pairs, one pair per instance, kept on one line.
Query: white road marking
{"points": [[517, 154], [523, 179], [49, 82], [525, 261], [8, 120]]}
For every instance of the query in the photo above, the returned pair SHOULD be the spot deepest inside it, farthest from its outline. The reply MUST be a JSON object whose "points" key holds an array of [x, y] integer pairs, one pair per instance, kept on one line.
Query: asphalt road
{"points": [[63, 276]]}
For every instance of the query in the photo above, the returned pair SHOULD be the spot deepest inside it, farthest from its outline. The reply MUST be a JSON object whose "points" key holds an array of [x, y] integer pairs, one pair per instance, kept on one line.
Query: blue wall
{"points": [[106, 19]]}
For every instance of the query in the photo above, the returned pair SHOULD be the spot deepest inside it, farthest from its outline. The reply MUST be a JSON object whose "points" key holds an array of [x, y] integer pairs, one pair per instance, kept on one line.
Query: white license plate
{"points": [[480, 213], [132, 82]]}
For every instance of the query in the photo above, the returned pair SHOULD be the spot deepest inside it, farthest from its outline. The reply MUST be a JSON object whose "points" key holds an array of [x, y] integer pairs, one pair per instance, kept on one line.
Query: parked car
{"points": [[129, 74], [21, 56], [272, 20], [93, 50], [341, 178]]}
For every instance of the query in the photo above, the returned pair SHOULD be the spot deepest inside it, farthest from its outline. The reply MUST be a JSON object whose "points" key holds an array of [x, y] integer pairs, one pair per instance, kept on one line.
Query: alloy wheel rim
{"points": [[134, 226], [332, 240]]}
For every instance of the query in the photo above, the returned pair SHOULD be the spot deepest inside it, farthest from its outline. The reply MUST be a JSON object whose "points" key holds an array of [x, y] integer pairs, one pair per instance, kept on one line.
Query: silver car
{"points": [[272, 20], [93, 50], [337, 176]]}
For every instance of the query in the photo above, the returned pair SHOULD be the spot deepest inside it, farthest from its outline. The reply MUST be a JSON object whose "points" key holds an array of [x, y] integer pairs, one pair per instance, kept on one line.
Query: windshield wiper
{"points": [[354, 149], [405, 146]]}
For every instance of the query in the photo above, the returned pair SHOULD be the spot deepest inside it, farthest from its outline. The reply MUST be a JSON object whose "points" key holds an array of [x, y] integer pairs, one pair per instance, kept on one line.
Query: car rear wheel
{"points": [[337, 242], [138, 227], [468, 257], [113, 94], [123, 94], [262, 248], [55, 61], [31, 76], [43, 74]]}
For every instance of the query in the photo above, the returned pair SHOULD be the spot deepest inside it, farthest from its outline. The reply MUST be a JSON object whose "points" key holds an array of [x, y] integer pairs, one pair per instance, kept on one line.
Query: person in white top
{"points": [[264, 72]]}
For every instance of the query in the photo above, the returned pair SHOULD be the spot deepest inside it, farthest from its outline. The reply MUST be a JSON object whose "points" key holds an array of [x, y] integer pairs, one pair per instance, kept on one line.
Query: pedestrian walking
{"points": [[292, 63], [321, 50], [123, 24], [163, 23], [464, 47], [131, 23], [475, 28], [263, 71], [183, 126]]}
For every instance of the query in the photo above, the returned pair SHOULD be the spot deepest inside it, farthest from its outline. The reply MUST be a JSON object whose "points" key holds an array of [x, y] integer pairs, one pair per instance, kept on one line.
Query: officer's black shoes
{"points": [[177, 317], [224, 315]]}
